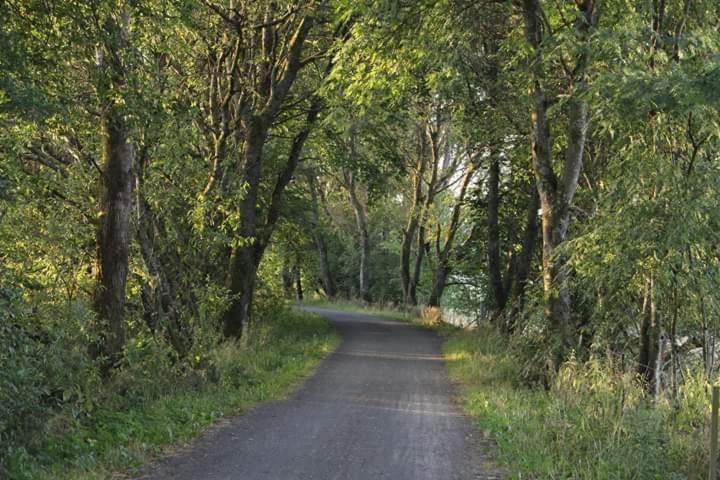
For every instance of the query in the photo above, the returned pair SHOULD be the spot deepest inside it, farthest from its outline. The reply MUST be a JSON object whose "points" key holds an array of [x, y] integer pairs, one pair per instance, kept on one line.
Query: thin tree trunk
{"points": [[497, 290], [326, 276], [523, 261], [649, 337], [298, 284], [421, 247], [409, 285], [363, 236], [286, 278], [445, 252], [160, 297]]}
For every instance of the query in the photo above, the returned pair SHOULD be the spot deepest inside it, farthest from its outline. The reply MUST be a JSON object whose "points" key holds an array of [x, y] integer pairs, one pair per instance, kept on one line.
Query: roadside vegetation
{"points": [[594, 421], [154, 405]]}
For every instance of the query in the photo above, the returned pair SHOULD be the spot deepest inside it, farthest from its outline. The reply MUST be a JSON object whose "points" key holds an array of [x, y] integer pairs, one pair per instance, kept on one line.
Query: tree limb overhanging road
{"points": [[380, 407]]}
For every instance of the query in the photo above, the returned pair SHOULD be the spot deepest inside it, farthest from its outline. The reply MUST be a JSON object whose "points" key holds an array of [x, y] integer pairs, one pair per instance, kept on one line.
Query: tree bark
{"points": [[113, 234], [286, 278]]}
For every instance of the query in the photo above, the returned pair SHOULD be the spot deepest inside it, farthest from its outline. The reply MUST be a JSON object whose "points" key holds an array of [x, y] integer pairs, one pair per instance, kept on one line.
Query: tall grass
{"points": [[594, 422]]}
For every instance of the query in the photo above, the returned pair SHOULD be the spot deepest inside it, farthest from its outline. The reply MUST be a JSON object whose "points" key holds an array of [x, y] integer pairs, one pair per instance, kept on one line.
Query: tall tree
{"points": [[556, 191], [115, 185]]}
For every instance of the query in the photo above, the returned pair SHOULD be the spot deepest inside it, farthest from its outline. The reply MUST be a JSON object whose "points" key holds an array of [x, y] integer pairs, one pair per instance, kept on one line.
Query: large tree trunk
{"points": [[115, 190], [113, 234], [245, 259], [273, 77]]}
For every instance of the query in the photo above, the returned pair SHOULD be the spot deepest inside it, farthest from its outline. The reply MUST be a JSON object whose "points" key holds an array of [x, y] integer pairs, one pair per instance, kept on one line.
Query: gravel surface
{"points": [[380, 407]]}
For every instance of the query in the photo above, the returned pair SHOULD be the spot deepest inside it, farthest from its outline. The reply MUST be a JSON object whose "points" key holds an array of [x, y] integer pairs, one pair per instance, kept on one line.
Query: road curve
{"points": [[380, 407]]}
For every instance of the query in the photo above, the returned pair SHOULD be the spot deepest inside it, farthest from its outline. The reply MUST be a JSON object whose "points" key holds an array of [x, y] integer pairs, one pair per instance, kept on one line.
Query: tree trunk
{"points": [[273, 78], [557, 192], [286, 278], [439, 282], [409, 284], [363, 236], [241, 282], [497, 289], [113, 234], [115, 190], [523, 261], [421, 247], [649, 337], [326, 276], [160, 297], [298, 284], [445, 252]]}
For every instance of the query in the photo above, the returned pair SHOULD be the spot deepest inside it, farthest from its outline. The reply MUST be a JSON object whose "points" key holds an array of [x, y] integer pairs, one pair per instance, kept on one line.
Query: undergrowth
{"points": [[150, 407], [593, 422]]}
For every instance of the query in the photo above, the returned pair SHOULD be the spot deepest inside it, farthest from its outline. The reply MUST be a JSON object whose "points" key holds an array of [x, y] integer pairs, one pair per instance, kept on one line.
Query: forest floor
{"points": [[381, 406]]}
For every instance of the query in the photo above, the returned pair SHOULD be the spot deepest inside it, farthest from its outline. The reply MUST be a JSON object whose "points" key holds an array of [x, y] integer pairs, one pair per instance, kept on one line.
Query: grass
{"points": [[591, 424], [109, 441]]}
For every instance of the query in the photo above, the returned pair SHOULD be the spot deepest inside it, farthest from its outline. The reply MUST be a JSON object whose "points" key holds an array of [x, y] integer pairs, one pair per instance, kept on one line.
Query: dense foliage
{"points": [[171, 171]]}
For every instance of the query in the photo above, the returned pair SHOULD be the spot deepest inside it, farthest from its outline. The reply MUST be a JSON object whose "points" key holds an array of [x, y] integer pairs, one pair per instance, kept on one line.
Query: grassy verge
{"points": [[357, 307], [591, 424], [108, 440]]}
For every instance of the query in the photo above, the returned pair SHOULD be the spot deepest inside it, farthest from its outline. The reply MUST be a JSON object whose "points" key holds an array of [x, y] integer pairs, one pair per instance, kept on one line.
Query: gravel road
{"points": [[380, 407]]}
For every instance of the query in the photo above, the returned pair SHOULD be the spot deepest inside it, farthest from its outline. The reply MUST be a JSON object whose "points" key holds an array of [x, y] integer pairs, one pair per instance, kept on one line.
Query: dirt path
{"points": [[380, 407]]}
